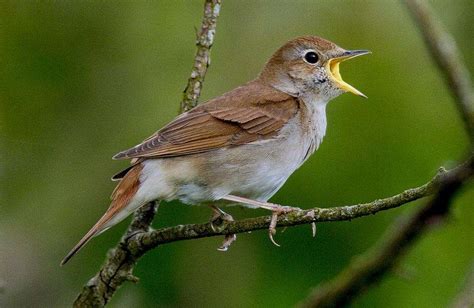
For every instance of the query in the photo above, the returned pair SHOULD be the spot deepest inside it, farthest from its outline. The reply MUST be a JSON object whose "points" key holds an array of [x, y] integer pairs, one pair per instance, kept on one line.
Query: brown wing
{"points": [[236, 118]]}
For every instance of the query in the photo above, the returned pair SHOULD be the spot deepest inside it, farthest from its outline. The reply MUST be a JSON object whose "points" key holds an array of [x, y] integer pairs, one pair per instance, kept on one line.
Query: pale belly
{"points": [[254, 171], [240, 171]]}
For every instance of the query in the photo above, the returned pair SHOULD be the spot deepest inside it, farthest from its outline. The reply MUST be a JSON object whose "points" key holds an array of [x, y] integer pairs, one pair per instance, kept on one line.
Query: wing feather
{"points": [[236, 118]]}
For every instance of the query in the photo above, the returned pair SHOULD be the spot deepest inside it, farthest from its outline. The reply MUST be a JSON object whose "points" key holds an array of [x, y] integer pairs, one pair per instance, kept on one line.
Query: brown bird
{"points": [[240, 147]]}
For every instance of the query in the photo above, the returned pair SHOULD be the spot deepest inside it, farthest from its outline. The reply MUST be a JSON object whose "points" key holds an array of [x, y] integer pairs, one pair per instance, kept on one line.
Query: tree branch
{"points": [[140, 238], [119, 264], [369, 268], [446, 55], [144, 241], [204, 41]]}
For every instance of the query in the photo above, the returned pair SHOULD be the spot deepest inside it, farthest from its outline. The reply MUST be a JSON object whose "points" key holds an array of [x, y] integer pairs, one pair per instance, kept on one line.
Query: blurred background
{"points": [[82, 80]]}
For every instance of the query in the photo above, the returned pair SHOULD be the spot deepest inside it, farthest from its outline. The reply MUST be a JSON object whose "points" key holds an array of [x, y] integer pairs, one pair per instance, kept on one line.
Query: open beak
{"points": [[332, 67]]}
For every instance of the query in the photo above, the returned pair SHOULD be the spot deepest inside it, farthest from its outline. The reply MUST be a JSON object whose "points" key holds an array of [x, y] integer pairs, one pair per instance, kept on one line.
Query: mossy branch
{"points": [[121, 260], [370, 267], [142, 242], [139, 238], [204, 41]]}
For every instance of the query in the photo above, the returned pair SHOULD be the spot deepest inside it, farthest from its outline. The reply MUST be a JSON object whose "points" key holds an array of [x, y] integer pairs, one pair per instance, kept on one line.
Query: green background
{"points": [[82, 80]]}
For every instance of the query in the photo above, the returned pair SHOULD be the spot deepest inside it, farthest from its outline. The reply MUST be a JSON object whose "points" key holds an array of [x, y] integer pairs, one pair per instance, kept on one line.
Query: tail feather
{"points": [[89, 235], [121, 198]]}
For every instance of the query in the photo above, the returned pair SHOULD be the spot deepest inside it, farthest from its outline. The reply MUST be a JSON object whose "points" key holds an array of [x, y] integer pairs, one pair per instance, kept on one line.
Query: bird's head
{"points": [[309, 66]]}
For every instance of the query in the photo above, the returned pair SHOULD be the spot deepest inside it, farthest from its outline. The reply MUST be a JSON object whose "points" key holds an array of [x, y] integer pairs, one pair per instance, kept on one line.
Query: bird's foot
{"points": [[219, 218], [311, 215], [228, 240], [277, 210], [218, 222]]}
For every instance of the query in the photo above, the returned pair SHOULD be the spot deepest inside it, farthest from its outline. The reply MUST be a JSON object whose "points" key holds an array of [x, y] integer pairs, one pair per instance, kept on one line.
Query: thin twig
{"points": [[119, 264], [446, 55], [204, 41]]}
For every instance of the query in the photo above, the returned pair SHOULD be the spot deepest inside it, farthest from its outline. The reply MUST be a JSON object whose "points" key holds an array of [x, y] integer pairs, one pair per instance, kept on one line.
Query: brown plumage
{"points": [[246, 114], [241, 146], [241, 116], [121, 195]]}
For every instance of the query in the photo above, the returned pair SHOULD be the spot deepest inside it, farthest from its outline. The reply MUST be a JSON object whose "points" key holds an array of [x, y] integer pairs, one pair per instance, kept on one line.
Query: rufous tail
{"points": [[121, 198], [89, 235]]}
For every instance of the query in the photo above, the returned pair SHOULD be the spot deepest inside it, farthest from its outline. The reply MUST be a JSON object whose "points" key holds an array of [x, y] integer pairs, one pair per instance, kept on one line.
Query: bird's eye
{"points": [[311, 57]]}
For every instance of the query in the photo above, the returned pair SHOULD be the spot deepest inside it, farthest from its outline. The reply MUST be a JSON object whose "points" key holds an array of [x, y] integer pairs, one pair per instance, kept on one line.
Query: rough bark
{"points": [[204, 41], [367, 269], [370, 267]]}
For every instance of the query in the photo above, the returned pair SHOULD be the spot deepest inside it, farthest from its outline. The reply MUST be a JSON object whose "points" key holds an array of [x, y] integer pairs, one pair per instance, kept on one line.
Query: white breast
{"points": [[256, 170], [314, 118], [300, 137]]}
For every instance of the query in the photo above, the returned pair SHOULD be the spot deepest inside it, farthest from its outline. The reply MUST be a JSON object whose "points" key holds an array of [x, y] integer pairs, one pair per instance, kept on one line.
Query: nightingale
{"points": [[238, 148]]}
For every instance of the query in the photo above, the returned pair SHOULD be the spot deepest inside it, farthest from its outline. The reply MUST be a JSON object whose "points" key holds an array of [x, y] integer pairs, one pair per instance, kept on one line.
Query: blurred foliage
{"points": [[82, 80]]}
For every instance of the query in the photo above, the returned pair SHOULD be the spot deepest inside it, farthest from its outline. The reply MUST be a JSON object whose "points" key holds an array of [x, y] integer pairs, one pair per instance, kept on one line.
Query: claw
{"points": [[272, 227], [275, 208], [228, 240], [313, 224], [221, 218], [270, 235], [212, 226]]}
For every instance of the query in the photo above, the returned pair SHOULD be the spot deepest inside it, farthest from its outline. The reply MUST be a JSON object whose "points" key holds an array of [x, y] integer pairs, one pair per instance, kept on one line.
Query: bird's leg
{"points": [[275, 208], [219, 217]]}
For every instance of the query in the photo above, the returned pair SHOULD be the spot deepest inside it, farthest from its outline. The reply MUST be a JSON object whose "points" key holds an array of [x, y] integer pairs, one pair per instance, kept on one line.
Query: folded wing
{"points": [[233, 119]]}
